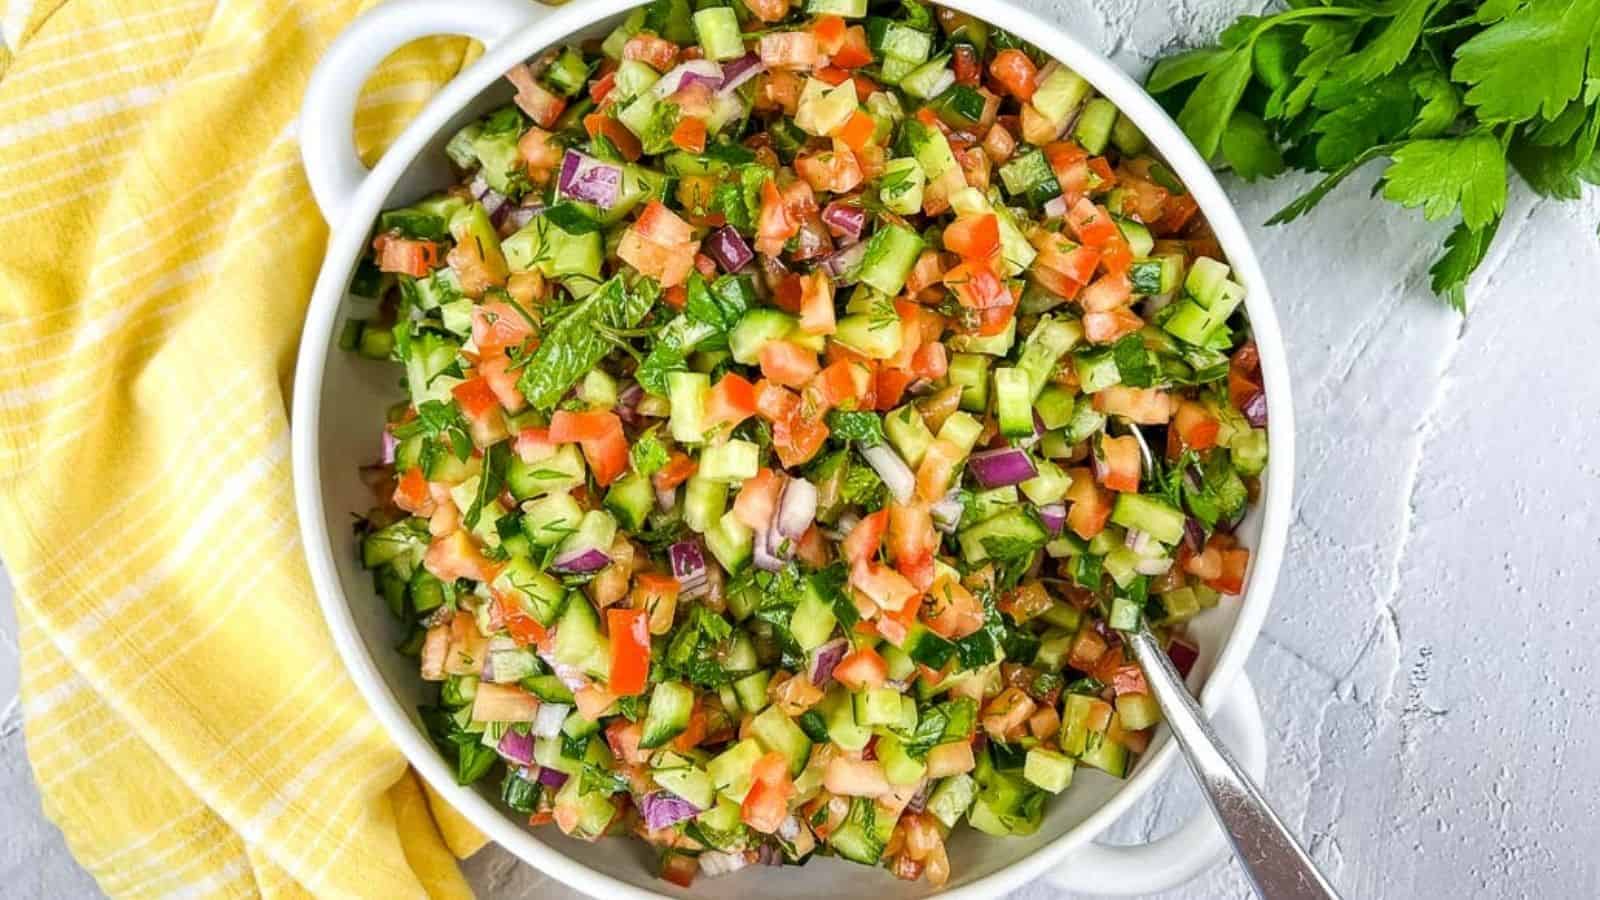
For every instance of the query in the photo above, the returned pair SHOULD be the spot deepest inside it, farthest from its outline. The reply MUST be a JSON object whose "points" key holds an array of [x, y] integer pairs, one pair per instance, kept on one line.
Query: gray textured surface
{"points": [[1425, 669]]}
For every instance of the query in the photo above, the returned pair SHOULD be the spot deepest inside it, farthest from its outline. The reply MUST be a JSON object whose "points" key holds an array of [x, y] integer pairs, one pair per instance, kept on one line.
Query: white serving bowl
{"points": [[339, 404]]}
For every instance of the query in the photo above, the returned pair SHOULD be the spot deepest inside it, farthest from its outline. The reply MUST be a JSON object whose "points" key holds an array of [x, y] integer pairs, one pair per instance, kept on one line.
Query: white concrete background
{"points": [[1426, 667]]}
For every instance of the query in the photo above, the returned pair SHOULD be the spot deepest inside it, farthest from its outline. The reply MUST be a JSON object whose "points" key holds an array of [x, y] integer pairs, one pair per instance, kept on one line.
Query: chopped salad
{"points": [[799, 404]]}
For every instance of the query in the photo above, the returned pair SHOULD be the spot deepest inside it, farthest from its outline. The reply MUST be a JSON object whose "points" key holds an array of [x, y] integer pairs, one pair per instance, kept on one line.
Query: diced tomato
{"points": [[974, 238], [890, 386], [835, 170], [861, 669], [1015, 72], [1234, 563], [533, 444], [524, 629], [696, 732], [662, 225], [812, 550], [884, 586], [861, 544], [601, 87], [629, 632], [656, 52], [607, 457], [912, 542], [792, 50], [679, 868], [411, 493], [758, 499], [623, 737], [1116, 257], [676, 296], [768, 10], [1104, 177], [951, 610], [774, 402], [1091, 505], [853, 51], [455, 556], [937, 469], [977, 287], [816, 303], [930, 361], [1193, 427], [995, 319], [1091, 223], [788, 363], [731, 401], [1106, 327], [766, 806], [829, 31], [968, 69], [476, 398], [533, 98], [1108, 292], [540, 154], [602, 125], [670, 265], [798, 438], [1141, 198], [567, 426], [775, 225], [405, 256], [690, 135], [1180, 208], [1143, 406], [495, 368], [677, 470], [834, 386], [856, 133], [497, 325], [1119, 462]]}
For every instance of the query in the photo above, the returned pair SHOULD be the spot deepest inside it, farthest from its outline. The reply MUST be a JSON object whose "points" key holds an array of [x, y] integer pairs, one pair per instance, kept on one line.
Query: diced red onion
{"points": [[517, 217], [1139, 542], [666, 498], [842, 264], [1183, 655], [1056, 207], [845, 220], [738, 71], [919, 801], [947, 513], [716, 862], [516, 747], [813, 240], [486, 671], [773, 271], [1194, 534], [1255, 409], [688, 561], [588, 179], [768, 854], [631, 394], [729, 249], [896, 475], [552, 778], [571, 676], [1054, 517], [998, 468], [766, 557], [680, 76], [921, 387], [825, 658], [390, 443], [582, 562], [797, 508], [663, 809], [547, 721]]}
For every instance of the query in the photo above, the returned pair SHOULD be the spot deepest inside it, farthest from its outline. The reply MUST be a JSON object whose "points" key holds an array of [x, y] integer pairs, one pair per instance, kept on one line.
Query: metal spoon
{"points": [[1278, 867]]}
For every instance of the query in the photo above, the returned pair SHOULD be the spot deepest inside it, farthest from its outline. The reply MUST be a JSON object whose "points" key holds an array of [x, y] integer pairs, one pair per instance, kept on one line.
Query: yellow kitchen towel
{"points": [[190, 726]]}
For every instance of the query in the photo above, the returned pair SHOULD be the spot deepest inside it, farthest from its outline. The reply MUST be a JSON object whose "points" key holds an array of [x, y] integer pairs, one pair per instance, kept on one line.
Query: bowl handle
{"points": [[327, 116], [1170, 861]]}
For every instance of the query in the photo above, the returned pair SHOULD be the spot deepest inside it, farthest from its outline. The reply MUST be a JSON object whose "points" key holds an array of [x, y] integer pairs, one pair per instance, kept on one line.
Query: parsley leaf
{"points": [[1533, 62], [1249, 149], [491, 482], [571, 218], [1442, 173], [1207, 111], [1464, 249], [861, 427], [648, 454], [577, 342]]}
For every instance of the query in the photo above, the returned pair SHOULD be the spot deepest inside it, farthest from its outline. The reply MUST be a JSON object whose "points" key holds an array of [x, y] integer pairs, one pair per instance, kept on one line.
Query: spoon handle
{"points": [[1275, 862]]}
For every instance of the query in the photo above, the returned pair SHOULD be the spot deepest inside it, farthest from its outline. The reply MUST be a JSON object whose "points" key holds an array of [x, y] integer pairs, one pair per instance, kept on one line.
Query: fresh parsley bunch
{"points": [[1453, 93]]}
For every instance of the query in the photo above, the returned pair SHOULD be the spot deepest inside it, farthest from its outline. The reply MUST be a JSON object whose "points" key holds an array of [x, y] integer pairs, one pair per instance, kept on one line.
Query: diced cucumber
{"points": [[596, 531], [1138, 236], [533, 591], [755, 330], [1048, 769], [900, 41], [961, 430], [813, 620], [901, 185], [929, 79], [931, 149], [971, 371], [849, 9], [898, 765], [908, 434], [578, 641], [751, 691], [733, 460], [952, 798], [873, 336], [1151, 515], [923, 646], [1013, 525], [1106, 755], [1093, 128], [1055, 405], [776, 731], [595, 809], [1248, 450], [864, 833], [1043, 348], [731, 542], [1049, 486], [717, 29], [991, 345], [1013, 391], [731, 771], [992, 502], [1097, 370], [1137, 711], [687, 392], [703, 503], [1156, 275], [1007, 805], [543, 246], [562, 471], [1028, 177], [876, 706], [1059, 95], [682, 777], [630, 499], [548, 520], [838, 713], [891, 253], [1127, 137]]}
